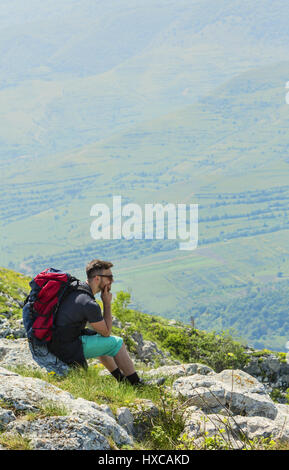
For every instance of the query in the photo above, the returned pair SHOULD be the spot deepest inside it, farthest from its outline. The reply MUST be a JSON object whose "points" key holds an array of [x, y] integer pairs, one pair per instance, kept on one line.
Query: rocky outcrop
{"points": [[182, 369], [59, 433], [270, 370], [13, 328], [86, 426], [18, 352], [137, 419], [144, 350], [233, 430], [231, 406], [235, 391]]}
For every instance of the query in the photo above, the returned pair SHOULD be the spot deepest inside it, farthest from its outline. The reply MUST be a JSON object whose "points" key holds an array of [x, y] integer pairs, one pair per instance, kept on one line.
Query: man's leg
{"points": [[108, 362], [124, 362], [113, 356], [111, 366], [121, 362]]}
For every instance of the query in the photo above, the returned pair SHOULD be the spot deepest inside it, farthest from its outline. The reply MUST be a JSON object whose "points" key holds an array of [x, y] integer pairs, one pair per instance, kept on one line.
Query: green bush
{"points": [[179, 345], [276, 395]]}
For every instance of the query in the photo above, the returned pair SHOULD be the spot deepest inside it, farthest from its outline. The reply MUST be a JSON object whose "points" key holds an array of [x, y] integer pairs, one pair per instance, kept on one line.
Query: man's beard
{"points": [[102, 285]]}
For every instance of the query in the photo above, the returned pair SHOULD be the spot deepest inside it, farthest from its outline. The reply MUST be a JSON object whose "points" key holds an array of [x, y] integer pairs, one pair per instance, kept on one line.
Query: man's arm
{"points": [[104, 327]]}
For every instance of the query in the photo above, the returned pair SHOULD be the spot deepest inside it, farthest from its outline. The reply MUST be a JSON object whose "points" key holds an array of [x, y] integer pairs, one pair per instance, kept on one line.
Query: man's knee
{"points": [[103, 358], [123, 349]]}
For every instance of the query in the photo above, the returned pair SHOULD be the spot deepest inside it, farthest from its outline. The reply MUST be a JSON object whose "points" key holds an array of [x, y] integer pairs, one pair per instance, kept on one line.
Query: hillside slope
{"points": [[89, 409], [229, 153], [85, 70], [181, 341]]}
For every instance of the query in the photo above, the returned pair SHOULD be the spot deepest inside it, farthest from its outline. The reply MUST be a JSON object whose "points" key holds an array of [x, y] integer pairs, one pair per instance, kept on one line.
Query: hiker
{"points": [[72, 343]]}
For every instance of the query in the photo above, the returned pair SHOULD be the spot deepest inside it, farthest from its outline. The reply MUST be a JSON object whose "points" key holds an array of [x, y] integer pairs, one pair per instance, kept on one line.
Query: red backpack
{"points": [[48, 289]]}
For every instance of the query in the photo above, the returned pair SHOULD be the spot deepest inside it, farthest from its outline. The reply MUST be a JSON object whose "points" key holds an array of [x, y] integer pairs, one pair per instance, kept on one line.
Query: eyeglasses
{"points": [[110, 276]]}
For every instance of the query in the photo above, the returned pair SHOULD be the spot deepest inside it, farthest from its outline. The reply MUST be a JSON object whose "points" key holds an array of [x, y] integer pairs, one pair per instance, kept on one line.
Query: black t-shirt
{"points": [[78, 307], [75, 310]]}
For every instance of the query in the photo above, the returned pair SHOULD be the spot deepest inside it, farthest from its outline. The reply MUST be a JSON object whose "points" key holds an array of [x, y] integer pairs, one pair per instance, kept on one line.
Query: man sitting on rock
{"points": [[72, 343]]}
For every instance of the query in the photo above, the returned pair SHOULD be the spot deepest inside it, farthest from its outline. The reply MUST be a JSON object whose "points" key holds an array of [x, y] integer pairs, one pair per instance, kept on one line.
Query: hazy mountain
{"points": [[74, 73]]}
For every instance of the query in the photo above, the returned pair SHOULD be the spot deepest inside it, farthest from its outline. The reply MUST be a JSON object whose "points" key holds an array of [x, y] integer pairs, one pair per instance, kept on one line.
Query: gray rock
{"points": [[235, 431], [241, 381], [182, 370], [143, 413], [26, 393], [207, 398], [258, 427], [11, 327], [270, 370], [271, 364], [6, 416], [235, 390], [116, 322], [282, 409], [59, 433], [283, 381], [250, 404], [148, 351], [20, 352], [199, 426], [106, 409], [16, 352], [125, 419]]}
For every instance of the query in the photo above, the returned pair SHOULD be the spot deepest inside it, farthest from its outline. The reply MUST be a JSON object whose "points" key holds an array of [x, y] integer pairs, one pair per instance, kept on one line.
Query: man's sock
{"points": [[133, 379], [118, 375]]}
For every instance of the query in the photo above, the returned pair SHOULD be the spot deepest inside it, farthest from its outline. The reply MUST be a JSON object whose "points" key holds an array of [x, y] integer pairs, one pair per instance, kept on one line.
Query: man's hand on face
{"points": [[106, 295]]}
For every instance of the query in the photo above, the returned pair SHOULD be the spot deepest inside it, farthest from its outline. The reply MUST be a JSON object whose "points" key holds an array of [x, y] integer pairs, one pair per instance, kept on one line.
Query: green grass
{"points": [[92, 386], [15, 285], [17, 442]]}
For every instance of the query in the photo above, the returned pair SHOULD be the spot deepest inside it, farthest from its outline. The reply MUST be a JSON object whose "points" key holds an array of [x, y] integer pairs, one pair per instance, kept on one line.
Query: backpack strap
{"points": [[26, 300], [84, 288]]}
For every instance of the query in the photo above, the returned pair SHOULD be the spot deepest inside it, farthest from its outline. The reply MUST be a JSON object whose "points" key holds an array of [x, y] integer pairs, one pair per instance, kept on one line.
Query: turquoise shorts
{"points": [[97, 345]]}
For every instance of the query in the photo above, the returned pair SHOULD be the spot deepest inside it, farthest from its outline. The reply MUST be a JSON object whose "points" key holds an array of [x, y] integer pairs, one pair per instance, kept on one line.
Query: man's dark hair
{"points": [[96, 266]]}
